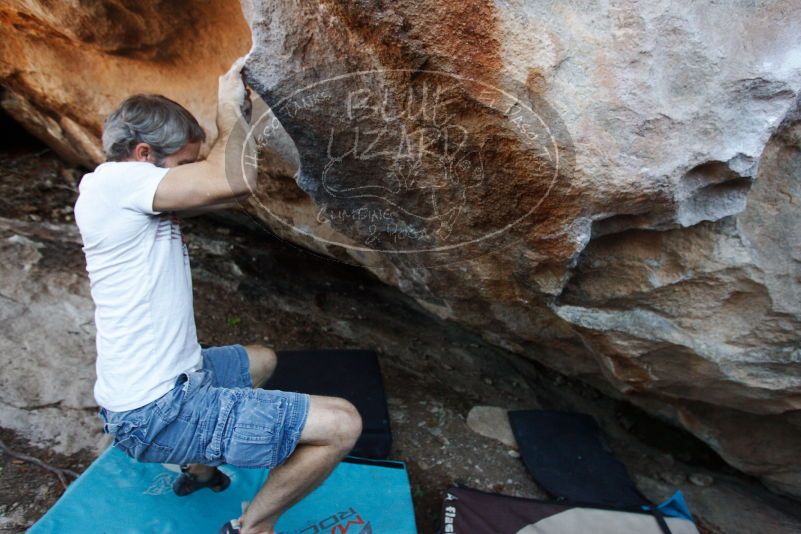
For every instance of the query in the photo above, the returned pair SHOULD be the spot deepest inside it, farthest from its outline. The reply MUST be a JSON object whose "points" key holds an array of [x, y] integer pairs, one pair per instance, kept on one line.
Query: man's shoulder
{"points": [[119, 178], [114, 187], [109, 172], [124, 168]]}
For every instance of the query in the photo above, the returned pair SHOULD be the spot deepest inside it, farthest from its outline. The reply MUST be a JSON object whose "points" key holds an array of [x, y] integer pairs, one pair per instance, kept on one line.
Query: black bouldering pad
{"points": [[567, 455]]}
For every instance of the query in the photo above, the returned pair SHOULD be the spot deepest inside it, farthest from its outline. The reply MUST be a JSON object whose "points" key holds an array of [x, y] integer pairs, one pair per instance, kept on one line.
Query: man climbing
{"points": [[163, 397]]}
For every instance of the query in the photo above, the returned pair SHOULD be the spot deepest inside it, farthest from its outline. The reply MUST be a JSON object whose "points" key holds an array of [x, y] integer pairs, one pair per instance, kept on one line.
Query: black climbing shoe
{"points": [[234, 526], [231, 527], [188, 483]]}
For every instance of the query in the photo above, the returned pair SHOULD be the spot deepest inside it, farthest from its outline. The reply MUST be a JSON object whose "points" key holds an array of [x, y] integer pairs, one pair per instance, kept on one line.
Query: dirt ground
{"points": [[255, 288]]}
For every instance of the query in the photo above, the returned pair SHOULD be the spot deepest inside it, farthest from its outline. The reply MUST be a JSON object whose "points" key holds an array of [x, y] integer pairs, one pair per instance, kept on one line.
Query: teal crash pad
{"points": [[117, 494]]}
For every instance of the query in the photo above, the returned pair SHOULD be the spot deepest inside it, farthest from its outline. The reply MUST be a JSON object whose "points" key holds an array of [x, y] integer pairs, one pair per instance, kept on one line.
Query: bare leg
{"points": [[261, 362], [332, 427]]}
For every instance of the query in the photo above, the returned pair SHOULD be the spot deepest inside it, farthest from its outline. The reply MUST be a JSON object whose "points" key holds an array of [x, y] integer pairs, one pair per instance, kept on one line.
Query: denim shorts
{"points": [[213, 416]]}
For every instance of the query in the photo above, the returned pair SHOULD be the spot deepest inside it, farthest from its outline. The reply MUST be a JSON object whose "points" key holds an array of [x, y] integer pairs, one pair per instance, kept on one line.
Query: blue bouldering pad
{"points": [[117, 494]]}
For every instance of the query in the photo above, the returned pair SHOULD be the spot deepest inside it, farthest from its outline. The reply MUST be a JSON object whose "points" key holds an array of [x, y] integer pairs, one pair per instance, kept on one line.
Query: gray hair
{"points": [[163, 124]]}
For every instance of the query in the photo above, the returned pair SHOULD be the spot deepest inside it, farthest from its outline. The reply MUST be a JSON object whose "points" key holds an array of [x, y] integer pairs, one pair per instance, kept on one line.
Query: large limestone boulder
{"points": [[643, 232], [611, 189]]}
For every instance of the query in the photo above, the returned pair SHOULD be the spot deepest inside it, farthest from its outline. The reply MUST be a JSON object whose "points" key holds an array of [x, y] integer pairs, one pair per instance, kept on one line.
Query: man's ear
{"points": [[143, 152]]}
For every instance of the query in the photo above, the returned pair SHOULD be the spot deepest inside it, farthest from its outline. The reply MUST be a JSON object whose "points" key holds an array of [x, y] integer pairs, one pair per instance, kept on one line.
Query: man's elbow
{"points": [[242, 189], [243, 186], [241, 195], [238, 179]]}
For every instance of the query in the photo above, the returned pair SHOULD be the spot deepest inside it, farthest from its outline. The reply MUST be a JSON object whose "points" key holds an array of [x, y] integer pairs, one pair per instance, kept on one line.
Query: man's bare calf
{"points": [[332, 427], [262, 363]]}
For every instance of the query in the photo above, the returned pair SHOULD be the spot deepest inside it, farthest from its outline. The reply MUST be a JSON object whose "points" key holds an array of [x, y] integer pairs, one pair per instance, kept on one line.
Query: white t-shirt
{"points": [[141, 283]]}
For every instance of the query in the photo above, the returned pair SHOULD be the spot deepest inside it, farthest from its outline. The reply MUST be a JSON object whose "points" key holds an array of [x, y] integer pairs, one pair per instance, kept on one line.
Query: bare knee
{"points": [[262, 361], [349, 425], [332, 421]]}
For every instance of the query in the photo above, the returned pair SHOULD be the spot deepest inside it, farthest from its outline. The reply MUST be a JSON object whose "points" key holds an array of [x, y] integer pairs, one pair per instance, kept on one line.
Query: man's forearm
{"points": [[234, 153]]}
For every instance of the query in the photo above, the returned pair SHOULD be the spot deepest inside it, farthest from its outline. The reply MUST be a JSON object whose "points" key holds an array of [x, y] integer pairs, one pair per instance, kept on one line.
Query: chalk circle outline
{"points": [[514, 100]]}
